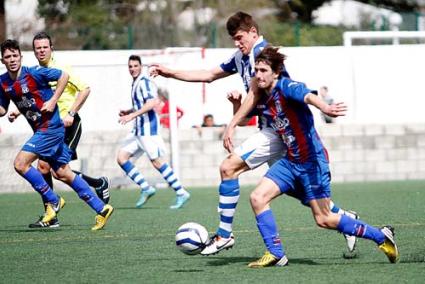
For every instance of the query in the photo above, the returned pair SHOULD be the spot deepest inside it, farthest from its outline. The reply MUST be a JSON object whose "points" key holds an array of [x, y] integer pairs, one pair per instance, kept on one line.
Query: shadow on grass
{"points": [[219, 261], [134, 208]]}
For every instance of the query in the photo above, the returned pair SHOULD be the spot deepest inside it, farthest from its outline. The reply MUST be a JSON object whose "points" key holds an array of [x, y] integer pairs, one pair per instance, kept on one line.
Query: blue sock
{"points": [[228, 200], [172, 180], [267, 226], [135, 175], [35, 178], [360, 229], [83, 190]]}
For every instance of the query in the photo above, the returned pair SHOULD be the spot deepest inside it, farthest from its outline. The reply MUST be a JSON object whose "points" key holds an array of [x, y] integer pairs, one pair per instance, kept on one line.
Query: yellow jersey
{"points": [[74, 86]]}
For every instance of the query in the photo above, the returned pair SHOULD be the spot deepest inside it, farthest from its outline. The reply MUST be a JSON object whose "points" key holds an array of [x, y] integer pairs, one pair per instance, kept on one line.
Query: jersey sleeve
{"points": [[148, 89], [294, 90], [4, 99], [229, 66], [47, 73]]}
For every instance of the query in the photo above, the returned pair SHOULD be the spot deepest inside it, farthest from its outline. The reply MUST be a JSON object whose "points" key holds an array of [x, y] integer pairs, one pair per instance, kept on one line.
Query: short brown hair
{"points": [[272, 57], [240, 21]]}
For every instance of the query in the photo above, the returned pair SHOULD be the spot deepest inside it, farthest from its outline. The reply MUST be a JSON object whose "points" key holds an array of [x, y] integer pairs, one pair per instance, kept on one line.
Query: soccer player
{"points": [[145, 137], [69, 103], [263, 147], [29, 89], [304, 170]]}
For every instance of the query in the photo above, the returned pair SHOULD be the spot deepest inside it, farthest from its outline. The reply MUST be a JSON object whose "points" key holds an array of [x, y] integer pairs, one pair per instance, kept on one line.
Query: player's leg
{"points": [[44, 168], [155, 150], [65, 174], [131, 149], [315, 179], [72, 138]]}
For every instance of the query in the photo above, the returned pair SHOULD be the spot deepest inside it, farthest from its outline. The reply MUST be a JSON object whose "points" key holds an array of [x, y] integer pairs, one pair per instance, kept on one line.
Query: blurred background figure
{"points": [[208, 121], [163, 109], [324, 95]]}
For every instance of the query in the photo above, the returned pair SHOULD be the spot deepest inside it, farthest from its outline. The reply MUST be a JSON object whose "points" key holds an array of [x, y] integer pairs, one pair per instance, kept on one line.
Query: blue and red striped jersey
{"points": [[288, 114], [29, 92]]}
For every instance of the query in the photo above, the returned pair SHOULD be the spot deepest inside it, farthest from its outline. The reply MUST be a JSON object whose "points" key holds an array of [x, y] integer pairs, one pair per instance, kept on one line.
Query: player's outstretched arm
{"points": [[50, 105], [235, 97], [188, 75], [333, 110]]}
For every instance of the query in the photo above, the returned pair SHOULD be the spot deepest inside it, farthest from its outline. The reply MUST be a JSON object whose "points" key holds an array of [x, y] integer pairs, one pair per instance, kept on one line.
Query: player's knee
{"points": [[257, 200], [227, 169], [20, 166], [43, 169]]}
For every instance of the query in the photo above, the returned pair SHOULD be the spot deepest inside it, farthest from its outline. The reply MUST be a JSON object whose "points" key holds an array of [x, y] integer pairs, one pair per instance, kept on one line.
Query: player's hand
{"points": [[235, 97], [125, 119], [157, 69], [335, 110], [48, 106], [68, 120], [227, 138], [13, 115], [124, 112]]}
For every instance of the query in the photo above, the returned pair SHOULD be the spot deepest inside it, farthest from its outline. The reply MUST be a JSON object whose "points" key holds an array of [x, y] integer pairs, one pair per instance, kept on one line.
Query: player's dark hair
{"points": [[272, 57], [10, 44], [135, 58], [42, 35], [240, 21]]}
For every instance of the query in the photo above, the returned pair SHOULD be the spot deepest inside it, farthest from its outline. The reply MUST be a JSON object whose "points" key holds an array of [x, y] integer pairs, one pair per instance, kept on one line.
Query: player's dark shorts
{"points": [[73, 135], [49, 147], [304, 181]]}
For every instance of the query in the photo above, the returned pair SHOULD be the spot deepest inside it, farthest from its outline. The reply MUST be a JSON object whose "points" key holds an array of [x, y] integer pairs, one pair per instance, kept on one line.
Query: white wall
{"points": [[381, 84]]}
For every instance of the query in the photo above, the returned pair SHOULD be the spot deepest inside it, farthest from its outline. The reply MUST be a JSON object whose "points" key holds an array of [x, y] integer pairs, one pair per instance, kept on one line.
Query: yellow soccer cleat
{"points": [[269, 260], [389, 246], [103, 217], [52, 209]]}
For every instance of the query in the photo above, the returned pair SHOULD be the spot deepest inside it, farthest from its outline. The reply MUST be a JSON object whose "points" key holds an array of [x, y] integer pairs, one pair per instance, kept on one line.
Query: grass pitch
{"points": [[137, 246]]}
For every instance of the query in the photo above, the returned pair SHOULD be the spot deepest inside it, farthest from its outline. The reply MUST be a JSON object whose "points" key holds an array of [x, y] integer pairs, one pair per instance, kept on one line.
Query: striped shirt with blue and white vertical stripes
{"points": [[142, 90]]}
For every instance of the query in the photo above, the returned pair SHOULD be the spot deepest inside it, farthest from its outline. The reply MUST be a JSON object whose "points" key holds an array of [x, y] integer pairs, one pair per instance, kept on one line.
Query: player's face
{"points": [[266, 78], [135, 68], [245, 40], [42, 51], [12, 59]]}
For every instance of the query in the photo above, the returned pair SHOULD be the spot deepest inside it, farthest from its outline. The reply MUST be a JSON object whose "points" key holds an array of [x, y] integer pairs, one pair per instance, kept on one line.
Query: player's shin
{"points": [[83, 190], [35, 178], [360, 229], [229, 196], [266, 224]]}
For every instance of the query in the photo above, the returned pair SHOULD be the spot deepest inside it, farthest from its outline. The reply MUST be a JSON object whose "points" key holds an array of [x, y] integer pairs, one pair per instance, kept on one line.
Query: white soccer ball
{"points": [[191, 238]]}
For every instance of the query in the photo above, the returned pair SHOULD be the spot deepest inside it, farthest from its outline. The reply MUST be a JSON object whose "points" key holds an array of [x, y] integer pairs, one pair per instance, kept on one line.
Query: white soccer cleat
{"points": [[351, 240], [218, 244]]}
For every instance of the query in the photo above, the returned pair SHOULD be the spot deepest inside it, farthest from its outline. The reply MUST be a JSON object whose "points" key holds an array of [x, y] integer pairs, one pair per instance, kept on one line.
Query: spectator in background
{"points": [[163, 109], [324, 95], [208, 121]]}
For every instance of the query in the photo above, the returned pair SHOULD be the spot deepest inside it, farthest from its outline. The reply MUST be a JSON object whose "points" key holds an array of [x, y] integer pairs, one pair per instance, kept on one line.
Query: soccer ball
{"points": [[191, 238]]}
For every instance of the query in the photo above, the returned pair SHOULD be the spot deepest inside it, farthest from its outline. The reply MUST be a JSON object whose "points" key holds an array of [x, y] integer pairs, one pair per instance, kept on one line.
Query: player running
{"points": [[29, 89], [145, 137], [262, 147], [304, 171]]}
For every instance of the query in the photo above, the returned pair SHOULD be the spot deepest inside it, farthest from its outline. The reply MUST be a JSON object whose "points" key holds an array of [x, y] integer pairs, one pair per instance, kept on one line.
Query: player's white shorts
{"points": [[153, 146], [265, 146]]}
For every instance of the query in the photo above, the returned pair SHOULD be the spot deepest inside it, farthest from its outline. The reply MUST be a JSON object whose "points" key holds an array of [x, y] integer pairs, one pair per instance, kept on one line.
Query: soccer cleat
{"points": [[217, 244], [181, 199], [144, 196], [351, 240], [54, 223], [269, 260], [103, 190], [103, 217], [52, 209], [389, 246]]}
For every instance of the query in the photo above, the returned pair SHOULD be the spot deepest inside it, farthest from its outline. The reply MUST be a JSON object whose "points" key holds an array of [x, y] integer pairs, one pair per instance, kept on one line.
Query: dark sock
{"points": [[93, 182]]}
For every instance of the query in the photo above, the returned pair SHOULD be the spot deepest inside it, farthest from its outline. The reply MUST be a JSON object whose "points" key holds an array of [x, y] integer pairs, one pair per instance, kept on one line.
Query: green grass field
{"points": [[138, 244]]}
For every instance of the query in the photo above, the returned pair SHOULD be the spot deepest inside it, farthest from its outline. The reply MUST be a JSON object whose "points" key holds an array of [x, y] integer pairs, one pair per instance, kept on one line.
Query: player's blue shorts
{"points": [[304, 181], [50, 147]]}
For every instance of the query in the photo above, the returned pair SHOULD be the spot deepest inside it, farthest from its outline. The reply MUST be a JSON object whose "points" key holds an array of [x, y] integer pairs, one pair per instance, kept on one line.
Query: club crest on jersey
{"points": [[25, 89]]}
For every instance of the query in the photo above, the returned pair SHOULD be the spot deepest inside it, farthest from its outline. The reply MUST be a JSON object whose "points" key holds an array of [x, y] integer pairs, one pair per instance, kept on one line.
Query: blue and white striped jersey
{"points": [[142, 90], [244, 64]]}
